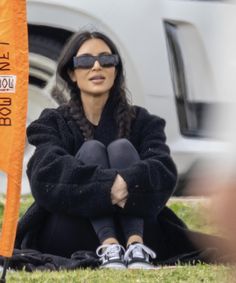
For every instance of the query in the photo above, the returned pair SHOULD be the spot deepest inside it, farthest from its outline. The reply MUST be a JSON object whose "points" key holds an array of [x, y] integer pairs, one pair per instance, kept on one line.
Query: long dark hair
{"points": [[123, 113]]}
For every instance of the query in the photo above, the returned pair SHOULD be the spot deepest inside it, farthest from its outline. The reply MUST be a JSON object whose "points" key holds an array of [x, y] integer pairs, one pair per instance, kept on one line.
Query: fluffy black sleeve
{"points": [[59, 182], [151, 181]]}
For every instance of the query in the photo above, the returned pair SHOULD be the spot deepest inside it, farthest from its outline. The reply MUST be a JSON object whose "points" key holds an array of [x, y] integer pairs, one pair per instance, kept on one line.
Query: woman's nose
{"points": [[96, 65]]}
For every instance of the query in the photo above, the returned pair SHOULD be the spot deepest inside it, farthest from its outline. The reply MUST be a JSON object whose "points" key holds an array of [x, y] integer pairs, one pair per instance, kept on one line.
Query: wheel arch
{"points": [[59, 35]]}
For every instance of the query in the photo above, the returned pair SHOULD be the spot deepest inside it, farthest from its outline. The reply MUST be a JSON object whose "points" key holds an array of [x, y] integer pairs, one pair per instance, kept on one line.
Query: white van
{"points": [[176, 53]]}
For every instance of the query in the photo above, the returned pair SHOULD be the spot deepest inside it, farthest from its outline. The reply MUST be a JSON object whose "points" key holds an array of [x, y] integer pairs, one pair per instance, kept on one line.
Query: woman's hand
{"points": [[119, 191]]}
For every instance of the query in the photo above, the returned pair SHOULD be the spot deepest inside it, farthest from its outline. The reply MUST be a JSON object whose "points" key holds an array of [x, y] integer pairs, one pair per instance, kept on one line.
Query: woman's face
{"points": [[97, 80]]}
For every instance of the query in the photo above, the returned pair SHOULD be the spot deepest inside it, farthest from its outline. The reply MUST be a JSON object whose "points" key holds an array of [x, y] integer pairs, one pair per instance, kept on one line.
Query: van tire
{"points": [[45, 46]]}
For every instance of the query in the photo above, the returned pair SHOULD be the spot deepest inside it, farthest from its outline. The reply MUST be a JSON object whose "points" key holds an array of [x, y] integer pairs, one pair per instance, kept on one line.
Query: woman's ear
{"points": [[72, 75]]}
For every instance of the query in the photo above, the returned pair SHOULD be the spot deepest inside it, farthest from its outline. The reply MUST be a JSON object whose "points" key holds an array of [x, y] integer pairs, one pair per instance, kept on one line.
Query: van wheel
{"points": [[43, 55]]}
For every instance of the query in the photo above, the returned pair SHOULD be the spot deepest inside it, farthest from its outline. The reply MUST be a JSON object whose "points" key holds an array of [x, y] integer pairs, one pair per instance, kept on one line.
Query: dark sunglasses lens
{"points": [[84, 62], [87, 61], [110, 60]]}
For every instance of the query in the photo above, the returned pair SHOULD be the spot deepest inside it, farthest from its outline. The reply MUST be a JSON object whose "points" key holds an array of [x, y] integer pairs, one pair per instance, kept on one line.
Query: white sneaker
{"points": [[137, 256], [111, 256]]}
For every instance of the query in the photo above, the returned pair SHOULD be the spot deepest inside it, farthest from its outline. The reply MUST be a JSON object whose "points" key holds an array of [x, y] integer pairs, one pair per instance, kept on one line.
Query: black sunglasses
{"points": [[87, 61]]}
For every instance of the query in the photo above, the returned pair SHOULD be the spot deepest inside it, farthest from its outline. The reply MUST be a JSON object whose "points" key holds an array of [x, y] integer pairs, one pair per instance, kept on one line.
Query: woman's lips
{"points": [[97, 79]]}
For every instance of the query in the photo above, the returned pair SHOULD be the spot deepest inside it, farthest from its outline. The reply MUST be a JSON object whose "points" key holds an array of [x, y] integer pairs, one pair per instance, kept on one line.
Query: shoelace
{"points": [[138, 249], [109, 250]]}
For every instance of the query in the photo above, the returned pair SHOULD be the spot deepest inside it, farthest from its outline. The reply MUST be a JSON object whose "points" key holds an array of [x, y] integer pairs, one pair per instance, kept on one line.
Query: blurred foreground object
{"points": [[223, 211], [216, 182]]}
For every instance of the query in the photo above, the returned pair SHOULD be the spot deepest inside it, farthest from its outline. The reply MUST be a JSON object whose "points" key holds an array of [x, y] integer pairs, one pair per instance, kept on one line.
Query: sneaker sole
{"points": [[141, 265], [113, 266]]}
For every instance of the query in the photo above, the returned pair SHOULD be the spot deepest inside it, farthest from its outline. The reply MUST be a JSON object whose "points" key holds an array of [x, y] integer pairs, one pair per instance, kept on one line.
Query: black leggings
{"points": [[119, 154], [64, 234]]}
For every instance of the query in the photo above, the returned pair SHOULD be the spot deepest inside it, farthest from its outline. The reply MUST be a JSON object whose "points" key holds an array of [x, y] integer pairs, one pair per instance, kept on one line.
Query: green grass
{"points": [[194, 213], [190, 211], [190, 274], [26, 201]]}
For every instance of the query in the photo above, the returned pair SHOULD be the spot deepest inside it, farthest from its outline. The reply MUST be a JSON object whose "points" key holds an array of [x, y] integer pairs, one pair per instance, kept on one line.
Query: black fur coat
{"points": [[60, 184]]}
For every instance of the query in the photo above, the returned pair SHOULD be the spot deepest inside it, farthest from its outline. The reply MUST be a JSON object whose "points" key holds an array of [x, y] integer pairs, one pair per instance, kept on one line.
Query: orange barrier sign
{"points": [[13, 107]]}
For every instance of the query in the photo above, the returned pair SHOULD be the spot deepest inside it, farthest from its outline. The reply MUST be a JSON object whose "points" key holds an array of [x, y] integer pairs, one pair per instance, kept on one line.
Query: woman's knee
{"points": [[122, 154], [121, 145], [93, 152], [92, 146]]}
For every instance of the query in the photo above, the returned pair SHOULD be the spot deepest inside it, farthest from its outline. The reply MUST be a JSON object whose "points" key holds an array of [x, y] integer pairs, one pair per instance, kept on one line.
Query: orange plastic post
{"points": [[13, 108]]}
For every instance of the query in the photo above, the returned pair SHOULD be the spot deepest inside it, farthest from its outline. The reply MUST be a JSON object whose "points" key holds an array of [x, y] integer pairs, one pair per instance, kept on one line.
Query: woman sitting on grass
{"points": [[101, 172]]}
